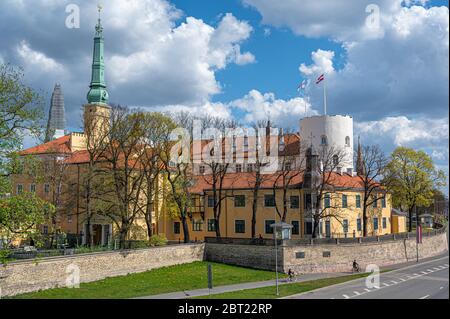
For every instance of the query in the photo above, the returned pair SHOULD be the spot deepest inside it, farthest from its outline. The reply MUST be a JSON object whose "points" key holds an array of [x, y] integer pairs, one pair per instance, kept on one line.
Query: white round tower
{"points": [[330, 130]]}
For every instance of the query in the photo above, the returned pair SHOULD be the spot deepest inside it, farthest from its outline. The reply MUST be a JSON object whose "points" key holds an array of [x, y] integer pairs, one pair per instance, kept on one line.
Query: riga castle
{"points": [[298, 151]]}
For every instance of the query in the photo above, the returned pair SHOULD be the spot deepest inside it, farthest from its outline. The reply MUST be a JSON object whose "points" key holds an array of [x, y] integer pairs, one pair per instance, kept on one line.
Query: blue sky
{"points": [[243, 59]]}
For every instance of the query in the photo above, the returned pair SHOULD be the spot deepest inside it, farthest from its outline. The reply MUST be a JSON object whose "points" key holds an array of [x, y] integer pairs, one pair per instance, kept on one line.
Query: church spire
{"points": [[97, 93], [359, 161], [56, 125]]}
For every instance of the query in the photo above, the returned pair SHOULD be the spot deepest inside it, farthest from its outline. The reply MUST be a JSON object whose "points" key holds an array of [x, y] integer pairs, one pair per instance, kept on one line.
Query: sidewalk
{"points": [[237, 287], [260, 284]]}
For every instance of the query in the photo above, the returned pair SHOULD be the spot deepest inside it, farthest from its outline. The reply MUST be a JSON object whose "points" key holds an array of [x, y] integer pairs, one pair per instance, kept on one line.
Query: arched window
{"points": [[347, 141], [324, 140]]}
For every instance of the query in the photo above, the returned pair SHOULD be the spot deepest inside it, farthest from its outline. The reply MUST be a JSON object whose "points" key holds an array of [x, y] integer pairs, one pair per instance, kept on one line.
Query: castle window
{"points": [[249, 168], [269, 201], [383, 202], [211, 225], [239, 201], [202, 169], [358, 201], [197, 225], [295, 227], [345, 226], [19, 189], [375, 223], [268, 228], [176, 227], [347, 141], [239, 226], [344, 201], [324, 140], [238, 168], [47, 188], [295, 202], [327, 201], [32, 188]]}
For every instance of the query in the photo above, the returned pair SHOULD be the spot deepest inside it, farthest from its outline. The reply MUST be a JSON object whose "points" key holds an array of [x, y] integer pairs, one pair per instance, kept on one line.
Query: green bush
{"points": [[158, 240], [4, 256]]}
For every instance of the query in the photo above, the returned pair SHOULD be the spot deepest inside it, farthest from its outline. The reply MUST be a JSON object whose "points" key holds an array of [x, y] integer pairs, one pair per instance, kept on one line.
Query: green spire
{"points": [[98, 94]]}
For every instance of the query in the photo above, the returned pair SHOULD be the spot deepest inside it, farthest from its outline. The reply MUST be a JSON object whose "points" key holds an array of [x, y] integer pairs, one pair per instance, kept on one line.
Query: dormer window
{"points": [[324, 140]]}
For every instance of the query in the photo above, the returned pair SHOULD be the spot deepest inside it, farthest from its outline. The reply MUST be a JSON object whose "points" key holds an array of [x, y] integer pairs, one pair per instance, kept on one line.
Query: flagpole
{"points": [[325, 97]]}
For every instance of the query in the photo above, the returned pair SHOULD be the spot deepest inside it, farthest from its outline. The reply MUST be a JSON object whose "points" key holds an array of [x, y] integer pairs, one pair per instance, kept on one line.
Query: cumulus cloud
{"points": [[257, 106], [155, 55], [401, 71], [405, 131], [430, 135], [32, 59], [326, 18], [322, 63]]}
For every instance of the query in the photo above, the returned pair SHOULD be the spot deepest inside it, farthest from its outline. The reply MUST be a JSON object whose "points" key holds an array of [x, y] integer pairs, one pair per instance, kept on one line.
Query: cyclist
{"points": [[291, 274]]}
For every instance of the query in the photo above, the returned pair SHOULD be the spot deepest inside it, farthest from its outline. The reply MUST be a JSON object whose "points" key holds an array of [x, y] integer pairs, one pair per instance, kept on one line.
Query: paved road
{"points": [[427, 280]]}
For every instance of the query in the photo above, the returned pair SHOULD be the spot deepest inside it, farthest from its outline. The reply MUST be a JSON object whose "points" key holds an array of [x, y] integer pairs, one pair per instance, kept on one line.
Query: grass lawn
{"points": [[285, 290], [157, 281]]}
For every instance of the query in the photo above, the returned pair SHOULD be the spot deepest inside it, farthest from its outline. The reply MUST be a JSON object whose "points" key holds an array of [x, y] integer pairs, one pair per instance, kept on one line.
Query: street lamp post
{"points": [[285, 233]]}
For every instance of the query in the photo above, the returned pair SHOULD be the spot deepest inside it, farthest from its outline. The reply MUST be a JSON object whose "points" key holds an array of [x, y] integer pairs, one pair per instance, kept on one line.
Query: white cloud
{"points": [[403, 73], [325, 18], [322, 63], [403, 131], [258, 106], [155, 55], [220, 110], [37, 60]]}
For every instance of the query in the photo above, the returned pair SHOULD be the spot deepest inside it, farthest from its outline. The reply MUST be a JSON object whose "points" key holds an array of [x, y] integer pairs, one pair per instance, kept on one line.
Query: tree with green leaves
{"points": [[21, 215], [412, 177], [157, 129], [21, 113]]}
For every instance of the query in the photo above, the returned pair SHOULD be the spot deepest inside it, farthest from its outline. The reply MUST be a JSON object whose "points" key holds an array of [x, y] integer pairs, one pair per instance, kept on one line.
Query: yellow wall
{"points": [[230, 214]]}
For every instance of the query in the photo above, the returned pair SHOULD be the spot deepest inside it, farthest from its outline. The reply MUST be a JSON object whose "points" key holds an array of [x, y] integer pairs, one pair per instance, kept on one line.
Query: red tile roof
{"points": [[58, 146], [78, 157], [247, 180]]}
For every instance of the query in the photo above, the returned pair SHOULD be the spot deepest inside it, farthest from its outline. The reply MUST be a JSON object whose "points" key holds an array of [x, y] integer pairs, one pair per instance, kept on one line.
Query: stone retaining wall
{"points": [[27, 276], [327, 257]]}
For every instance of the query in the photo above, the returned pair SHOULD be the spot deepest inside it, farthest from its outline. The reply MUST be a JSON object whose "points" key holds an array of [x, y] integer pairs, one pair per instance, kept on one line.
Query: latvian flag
{"points": [[320, 79]]}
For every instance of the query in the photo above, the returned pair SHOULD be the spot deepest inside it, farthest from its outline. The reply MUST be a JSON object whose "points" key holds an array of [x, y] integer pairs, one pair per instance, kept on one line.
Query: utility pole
{"points": [[276, 252]]}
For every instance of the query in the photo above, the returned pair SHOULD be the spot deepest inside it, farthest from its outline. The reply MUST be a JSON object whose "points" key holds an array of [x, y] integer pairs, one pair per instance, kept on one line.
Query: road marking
{"points": [[430, 270], [424, 297], [441, 288], [385, 284], [356, 293], [345, 296], [435, 268], [402, 279], [424, 272], [368, 290], [416, 275], [394, 282], [446, 265]]}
